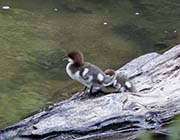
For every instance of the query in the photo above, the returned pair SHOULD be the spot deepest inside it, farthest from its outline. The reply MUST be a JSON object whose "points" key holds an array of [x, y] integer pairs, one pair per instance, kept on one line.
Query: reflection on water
{"points": [[36, 34]]}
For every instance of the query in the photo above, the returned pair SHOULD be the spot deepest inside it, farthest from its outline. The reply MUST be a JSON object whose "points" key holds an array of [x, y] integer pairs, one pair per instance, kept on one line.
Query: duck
{"points": [[90, 75], [121, 84]]}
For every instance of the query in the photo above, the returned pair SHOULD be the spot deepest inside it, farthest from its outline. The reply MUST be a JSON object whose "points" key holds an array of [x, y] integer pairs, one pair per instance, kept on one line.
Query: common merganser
{"points": [[86, 73], [120, 83]]}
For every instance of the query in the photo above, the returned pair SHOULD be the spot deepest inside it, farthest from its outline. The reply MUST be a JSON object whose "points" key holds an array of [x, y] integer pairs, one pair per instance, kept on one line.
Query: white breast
{"points": [[76, 76], [69, 71]]}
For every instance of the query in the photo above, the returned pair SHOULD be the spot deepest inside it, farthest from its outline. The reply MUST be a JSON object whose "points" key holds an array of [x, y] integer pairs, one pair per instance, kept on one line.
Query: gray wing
{"points": [[89, 73], [92, 73]]}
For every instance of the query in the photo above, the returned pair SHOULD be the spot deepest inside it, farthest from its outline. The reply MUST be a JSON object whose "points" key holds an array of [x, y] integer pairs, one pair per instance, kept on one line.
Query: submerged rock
{"points": [[155, 100]]}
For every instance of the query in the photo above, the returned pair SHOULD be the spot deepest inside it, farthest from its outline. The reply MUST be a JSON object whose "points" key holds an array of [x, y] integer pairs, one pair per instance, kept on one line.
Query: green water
{"points": [[36, 34]]}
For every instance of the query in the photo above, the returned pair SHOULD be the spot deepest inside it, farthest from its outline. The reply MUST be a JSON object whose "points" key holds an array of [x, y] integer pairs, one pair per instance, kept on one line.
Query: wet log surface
{"points": [[154, 102]]}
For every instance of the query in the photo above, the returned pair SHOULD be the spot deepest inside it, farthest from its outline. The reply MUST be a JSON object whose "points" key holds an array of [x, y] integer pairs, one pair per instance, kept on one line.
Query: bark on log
{"points": [[155, 100]]}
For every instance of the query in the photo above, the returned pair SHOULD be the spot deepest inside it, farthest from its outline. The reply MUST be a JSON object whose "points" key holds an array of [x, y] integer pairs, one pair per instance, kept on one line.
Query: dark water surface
{"points": [[36, 34]]}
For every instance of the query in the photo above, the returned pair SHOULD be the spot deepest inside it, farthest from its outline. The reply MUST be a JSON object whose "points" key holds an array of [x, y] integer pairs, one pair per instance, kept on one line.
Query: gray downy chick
{"points": [[86, 73], [121, 84]]}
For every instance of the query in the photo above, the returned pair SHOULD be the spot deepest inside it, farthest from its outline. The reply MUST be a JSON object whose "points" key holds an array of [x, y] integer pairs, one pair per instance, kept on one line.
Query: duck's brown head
{"points": [[76, 58], [109, 72]]}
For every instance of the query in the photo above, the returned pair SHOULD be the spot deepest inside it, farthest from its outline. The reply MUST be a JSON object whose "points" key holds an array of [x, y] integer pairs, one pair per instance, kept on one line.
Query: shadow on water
{"points": [[36, 35]]}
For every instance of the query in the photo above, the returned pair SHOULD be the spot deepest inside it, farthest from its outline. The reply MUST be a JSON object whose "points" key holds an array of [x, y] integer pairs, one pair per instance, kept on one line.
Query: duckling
{"points": [[121, 84], [91, 76]]}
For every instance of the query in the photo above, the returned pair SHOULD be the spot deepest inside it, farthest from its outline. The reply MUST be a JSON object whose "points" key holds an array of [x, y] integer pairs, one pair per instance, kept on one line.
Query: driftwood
{"points": [[155, 100]]}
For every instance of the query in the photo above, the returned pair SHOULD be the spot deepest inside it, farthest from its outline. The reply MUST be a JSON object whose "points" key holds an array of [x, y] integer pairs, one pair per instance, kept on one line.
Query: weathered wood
{"points": [[155, 100]]}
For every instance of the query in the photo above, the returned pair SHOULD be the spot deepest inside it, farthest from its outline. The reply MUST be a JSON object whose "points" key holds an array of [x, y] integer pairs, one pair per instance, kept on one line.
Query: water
{"points": [[36, 35]]}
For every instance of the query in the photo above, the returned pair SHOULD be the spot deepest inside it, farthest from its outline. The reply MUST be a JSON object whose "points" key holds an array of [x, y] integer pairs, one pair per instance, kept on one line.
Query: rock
{"points": [[154, 102]]}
